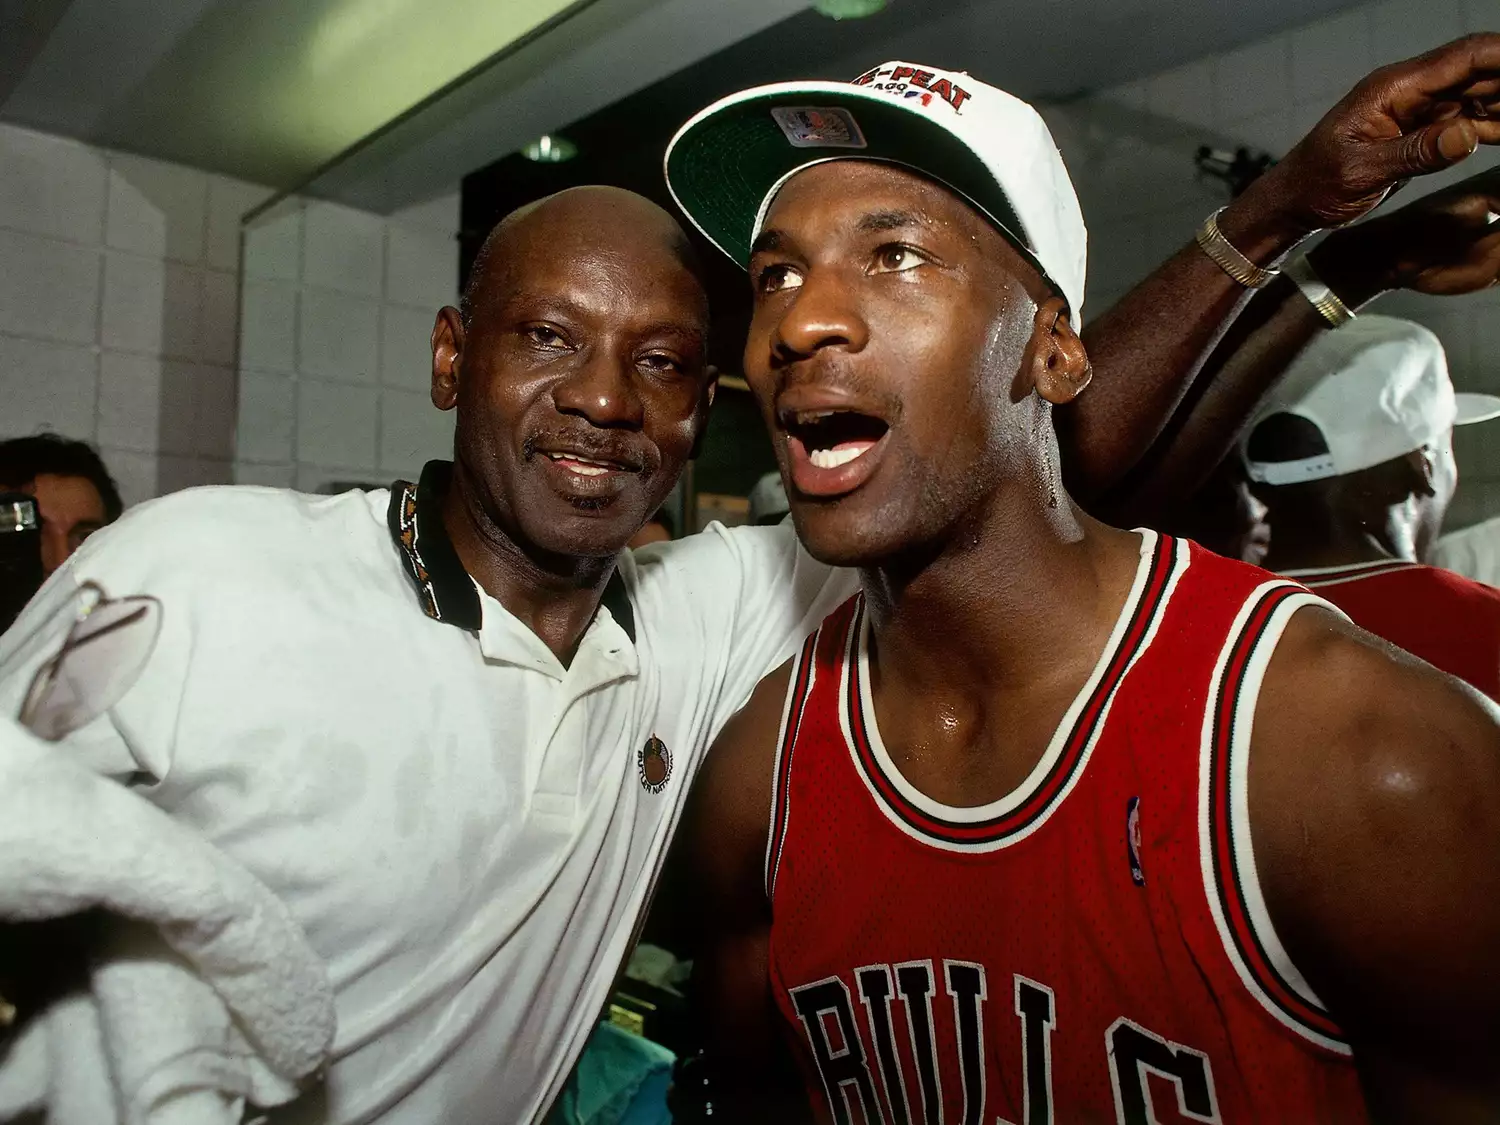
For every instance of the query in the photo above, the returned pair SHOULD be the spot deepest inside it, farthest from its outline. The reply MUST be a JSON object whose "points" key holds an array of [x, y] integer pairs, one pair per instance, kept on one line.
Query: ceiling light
{"points": [[550, 149], [848, 9]]}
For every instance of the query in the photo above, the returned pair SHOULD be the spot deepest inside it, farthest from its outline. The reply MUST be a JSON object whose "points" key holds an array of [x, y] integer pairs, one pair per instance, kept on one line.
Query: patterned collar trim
{"points": [[415, 517], [443, 586]]}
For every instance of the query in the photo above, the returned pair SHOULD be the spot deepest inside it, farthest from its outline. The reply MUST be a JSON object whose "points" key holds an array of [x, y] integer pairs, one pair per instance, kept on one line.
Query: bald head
{"points": [[596, 219], [578, 366]]}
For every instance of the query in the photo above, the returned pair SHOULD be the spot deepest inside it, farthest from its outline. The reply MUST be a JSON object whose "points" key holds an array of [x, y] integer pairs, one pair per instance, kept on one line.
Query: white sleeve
{"points": [[135, 738], [761, 595]]}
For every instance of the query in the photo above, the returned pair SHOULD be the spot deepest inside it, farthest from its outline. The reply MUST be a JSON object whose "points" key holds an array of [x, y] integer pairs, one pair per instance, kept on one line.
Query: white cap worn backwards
{"points": [[1376, 388], [725, 166]]}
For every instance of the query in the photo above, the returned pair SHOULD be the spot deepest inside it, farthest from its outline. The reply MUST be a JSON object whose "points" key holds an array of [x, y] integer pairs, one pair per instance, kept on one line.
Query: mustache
{"points": [[634, 454], [843, 378]]}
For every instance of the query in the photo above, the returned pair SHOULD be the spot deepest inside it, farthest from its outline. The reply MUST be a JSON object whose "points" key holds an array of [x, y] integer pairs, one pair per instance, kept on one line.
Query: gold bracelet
{"points": [[1230, 260], [1319, 296]]}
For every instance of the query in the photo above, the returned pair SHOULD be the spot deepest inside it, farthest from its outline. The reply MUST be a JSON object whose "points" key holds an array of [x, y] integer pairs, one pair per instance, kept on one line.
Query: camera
{"points": [[20, 554]]}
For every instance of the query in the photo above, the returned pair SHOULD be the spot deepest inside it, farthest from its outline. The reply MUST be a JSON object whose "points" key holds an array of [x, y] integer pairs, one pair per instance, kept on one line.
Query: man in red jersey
{"points": [[1052, 821], [1354, 462]]}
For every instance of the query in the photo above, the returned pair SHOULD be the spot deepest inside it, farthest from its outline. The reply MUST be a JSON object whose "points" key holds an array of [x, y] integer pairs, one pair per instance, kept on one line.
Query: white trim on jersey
{"points": [[776, 840], [858, 653], [1316, 578], [1245, 872]]}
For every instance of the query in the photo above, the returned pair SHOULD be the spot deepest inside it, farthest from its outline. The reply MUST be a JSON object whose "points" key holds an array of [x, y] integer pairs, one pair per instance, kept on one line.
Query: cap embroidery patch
{"points": [[910, 82], [819, 127], [655, 765]]}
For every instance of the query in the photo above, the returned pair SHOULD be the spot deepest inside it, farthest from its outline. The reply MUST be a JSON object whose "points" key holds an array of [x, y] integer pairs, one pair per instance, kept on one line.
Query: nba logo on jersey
{"points": [[1133, 840]]}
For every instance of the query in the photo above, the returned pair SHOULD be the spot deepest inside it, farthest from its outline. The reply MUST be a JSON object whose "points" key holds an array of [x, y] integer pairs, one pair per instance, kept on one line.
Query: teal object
{"points": [[621, 1079]]}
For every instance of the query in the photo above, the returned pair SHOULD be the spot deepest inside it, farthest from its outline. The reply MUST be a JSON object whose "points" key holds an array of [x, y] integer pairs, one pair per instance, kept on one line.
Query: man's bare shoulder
{"points": [[1374, 799], [733, 794], [714, 881], [1348, 726], [1365, 698]]}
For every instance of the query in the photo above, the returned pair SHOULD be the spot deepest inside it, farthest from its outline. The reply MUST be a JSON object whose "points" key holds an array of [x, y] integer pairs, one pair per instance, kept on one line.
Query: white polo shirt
{"points": [[466, 830]]}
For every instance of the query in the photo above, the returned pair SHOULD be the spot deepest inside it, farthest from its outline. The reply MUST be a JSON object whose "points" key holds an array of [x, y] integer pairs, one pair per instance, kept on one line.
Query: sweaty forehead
{"points": [[849, 191], [840, 198]]}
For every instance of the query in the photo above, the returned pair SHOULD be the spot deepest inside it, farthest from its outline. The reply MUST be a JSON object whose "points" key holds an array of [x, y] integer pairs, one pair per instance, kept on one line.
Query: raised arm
{"points": [[717, 875], [1374, 799], [1403, 120], [1444, 244]]}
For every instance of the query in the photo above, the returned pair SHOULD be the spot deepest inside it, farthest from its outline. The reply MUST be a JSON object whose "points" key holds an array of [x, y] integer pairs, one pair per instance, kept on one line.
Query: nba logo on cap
{"points": [[819, 127]]}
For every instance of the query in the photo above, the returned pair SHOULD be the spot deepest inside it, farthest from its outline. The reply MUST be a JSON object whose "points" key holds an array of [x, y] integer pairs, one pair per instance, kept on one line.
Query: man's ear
{"points": [[710, 389], [1056, 362], [447, 355]]}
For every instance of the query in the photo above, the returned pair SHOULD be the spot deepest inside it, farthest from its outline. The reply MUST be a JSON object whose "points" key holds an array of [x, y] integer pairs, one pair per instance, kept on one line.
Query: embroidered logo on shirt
{"points": [[1133, 840], [655, 765]]}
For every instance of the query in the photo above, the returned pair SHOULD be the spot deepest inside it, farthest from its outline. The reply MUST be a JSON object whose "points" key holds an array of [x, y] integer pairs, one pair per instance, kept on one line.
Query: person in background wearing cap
{"points": [[1354, 462], [1223, 515], [452, 724], [1442, 244], [1051, 821]]}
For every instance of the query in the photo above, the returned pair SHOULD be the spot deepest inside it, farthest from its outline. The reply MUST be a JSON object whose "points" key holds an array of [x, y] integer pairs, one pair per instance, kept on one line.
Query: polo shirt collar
{"points": [[443, 587]]}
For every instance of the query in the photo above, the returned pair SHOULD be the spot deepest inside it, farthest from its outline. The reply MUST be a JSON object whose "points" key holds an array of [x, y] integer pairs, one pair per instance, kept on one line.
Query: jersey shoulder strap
{"points": [[820, 659], [1227, 857]]}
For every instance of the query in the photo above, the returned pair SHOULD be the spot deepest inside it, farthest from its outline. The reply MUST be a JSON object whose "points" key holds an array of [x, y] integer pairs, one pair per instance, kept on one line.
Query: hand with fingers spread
{"points": [[1149, 350], [1444, 244], [1408, 119]]}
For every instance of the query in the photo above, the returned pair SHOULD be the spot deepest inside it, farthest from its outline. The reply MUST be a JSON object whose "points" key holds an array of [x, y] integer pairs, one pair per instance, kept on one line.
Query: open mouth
{"points": [[835, 437], [832, 450]]}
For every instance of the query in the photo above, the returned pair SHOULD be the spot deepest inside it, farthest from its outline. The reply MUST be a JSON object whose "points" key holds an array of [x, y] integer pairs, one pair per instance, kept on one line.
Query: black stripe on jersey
{"points": [[1163, 567], [1267, 981], [781, 778]]}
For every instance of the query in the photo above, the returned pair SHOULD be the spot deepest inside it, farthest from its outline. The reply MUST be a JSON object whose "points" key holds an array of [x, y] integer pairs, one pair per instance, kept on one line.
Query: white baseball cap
{"points": [[725, 166], [1377, 389]]}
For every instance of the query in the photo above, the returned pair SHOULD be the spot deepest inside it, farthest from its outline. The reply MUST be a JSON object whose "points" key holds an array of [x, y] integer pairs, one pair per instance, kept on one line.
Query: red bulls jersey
{"points": [[1092, 947]]}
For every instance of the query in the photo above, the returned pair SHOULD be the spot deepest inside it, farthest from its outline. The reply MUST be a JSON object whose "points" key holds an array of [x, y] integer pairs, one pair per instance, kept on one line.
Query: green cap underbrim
{"points": [[721, 167]]}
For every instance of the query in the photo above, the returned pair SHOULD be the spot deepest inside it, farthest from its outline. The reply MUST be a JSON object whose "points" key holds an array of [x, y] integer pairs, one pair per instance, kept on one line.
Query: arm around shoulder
{"points": [[717, 875], [1374, 796]]}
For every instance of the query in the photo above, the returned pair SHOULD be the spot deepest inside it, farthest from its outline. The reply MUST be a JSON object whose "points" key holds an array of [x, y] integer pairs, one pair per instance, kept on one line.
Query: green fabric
{"points": [[723, 167], [621, 1079]]}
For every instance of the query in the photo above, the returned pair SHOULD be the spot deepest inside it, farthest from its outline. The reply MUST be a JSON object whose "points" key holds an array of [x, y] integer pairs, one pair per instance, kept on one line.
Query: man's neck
{"points": [[1330, 546], [976, 654], [1006, 603], [555, 596]]}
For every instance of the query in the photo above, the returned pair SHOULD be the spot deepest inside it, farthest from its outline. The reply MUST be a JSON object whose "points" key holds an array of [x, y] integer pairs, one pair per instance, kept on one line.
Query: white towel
{"points": [[204, 997]]}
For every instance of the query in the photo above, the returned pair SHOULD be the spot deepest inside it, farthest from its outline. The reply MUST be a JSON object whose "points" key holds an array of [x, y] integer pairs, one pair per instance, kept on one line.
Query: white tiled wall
{"points": [[118, 303], [129, 316], [1130, 152], [337, 310]]}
